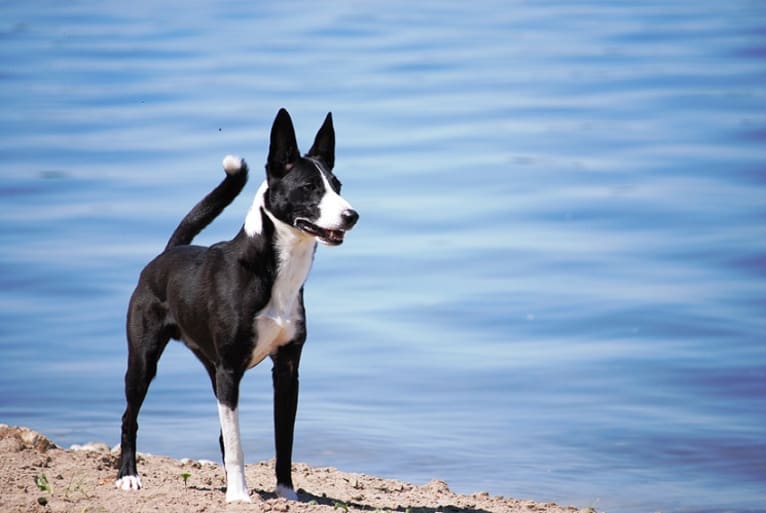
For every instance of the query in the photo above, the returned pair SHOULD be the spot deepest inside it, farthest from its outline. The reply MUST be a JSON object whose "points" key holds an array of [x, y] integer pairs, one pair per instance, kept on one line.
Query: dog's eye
{"points": [[336, 184]]}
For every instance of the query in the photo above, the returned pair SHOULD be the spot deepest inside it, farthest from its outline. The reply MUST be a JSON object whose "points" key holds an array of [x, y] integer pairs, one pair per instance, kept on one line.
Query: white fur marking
{"points": [[232, 164], [332, 205], [128, 483], [286, 493], [236, 487], [253, 220], [275, 324]]}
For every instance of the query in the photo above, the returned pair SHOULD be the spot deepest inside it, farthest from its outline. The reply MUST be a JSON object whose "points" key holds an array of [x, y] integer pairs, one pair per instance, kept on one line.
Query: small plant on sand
{"points": [[77, 485], [42, 483], [185, 476], [341, 506]]}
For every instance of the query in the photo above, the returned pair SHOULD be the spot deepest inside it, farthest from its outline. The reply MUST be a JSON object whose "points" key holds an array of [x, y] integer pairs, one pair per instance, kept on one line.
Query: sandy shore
{"points": [[38, 476]]}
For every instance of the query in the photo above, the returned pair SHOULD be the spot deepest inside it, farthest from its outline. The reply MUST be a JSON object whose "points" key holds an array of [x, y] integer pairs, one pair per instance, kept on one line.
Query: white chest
{"points": [[274, 330], [278, 322]]}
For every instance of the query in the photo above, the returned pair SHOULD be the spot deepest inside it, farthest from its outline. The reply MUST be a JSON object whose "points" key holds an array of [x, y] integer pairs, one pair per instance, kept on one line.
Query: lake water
{"points": [[557, 288]]}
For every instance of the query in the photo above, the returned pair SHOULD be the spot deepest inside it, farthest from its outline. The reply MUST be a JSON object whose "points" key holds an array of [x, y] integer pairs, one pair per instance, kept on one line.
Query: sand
{"points": [[38, 476]]}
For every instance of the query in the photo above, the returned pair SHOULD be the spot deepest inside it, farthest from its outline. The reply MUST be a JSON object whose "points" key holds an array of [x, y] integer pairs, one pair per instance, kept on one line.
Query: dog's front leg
{"points": [[227, 393], [285, 377]]}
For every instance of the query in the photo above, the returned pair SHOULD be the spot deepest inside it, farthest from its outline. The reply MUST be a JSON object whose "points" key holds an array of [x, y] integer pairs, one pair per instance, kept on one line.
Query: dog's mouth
{"points": [[323, 235]]}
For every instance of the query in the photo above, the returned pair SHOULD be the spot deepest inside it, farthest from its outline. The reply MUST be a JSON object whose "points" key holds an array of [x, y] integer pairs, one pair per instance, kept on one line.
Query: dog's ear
{"points": [[324, 143], [283, 150]]}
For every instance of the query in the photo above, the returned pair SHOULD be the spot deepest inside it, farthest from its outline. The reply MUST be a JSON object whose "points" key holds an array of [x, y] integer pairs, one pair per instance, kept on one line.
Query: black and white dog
{"points": [[237, 302]]}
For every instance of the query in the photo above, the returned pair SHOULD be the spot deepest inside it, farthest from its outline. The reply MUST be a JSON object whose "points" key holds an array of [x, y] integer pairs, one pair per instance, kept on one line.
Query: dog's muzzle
{"points": [[330, 237]]}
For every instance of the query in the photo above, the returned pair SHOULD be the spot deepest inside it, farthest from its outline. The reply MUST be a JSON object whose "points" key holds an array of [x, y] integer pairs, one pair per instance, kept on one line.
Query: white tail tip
{"points": [[233, 164]]}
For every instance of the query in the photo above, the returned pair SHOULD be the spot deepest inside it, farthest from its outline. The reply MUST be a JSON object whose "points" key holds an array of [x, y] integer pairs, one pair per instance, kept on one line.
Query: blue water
{"points": [[557, 288]]}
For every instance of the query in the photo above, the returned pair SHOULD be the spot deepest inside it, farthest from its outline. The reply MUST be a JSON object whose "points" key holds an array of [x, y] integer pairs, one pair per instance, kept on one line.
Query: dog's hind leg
{"points": [[227, 393], [210, 368], [146, 341], [285, 377]]}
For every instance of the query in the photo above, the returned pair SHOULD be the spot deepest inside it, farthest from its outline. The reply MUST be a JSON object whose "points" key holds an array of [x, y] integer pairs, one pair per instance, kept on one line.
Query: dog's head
{"points": [[302, 191]]}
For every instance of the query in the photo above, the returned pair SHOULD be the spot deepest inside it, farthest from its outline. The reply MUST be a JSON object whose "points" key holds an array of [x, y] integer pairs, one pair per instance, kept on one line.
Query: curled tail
{"points": [[213, 204]]}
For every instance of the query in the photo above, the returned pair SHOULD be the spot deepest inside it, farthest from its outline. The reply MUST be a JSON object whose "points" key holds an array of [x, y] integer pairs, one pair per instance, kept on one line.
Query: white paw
{"points": [[236, 485], [237, 496], [233, 165], [128, 483], [286, 493]]}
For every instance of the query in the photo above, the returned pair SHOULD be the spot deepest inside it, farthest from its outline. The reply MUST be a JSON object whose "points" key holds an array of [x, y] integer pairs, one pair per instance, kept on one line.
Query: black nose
{"points": [[350, 217]]}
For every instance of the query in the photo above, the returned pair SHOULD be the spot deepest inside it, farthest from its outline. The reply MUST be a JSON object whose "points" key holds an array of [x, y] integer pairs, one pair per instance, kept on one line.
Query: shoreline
{"points": [[38, 476]]}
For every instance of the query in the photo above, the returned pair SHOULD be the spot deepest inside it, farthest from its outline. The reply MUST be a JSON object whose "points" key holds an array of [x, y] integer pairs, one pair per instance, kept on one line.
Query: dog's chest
{"points": [[281, 319]]}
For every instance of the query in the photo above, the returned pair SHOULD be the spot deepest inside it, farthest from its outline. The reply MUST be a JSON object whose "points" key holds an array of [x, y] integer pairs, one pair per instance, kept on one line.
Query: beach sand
{"points": [[38, 476]]}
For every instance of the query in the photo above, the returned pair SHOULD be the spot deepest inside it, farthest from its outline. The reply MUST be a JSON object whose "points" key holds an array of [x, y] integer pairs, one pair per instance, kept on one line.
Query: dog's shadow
{"points": [[343, 506]]}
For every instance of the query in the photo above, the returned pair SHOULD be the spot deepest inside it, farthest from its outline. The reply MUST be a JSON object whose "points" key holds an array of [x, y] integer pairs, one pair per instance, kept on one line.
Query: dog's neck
{"points": [[294, 253], [254, 218]]}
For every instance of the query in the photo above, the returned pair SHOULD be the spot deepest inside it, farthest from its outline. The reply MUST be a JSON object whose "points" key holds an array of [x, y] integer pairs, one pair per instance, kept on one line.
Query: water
{"points": [[558, 283]]}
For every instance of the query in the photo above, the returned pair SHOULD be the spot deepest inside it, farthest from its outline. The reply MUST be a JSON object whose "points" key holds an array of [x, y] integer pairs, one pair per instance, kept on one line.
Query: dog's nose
{"points": [[350, 217]]}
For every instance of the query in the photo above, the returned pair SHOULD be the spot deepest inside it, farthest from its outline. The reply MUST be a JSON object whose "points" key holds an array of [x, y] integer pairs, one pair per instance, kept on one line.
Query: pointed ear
{"points": [[324, 143], [283, 150]]}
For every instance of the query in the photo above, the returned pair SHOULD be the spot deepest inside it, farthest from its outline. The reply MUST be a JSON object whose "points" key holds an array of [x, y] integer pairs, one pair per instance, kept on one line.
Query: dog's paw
{"points": [[128, 483], [233, 165], [238, 496], [236, 487], [286, 492]]}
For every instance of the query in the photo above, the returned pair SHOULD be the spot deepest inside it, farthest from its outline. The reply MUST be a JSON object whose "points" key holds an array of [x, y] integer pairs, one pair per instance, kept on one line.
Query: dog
{"points": [[237, 302]]}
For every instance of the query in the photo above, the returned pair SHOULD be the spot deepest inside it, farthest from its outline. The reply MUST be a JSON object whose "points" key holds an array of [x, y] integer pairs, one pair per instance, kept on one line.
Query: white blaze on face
{"points": [[331, 207]]}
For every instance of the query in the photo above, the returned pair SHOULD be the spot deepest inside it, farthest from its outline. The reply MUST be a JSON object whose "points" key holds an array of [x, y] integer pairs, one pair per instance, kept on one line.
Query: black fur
{"points": [[208, 297]]}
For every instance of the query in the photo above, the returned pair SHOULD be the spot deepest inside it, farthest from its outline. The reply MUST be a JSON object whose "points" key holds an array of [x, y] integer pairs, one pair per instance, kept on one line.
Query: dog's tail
{"points": [[213, 204]]}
